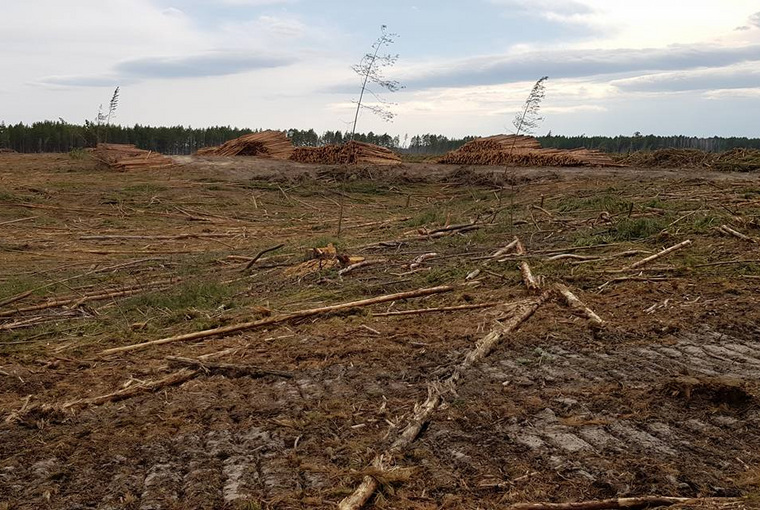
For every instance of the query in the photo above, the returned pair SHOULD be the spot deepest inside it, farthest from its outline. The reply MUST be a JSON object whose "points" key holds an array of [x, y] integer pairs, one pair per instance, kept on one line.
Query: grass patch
{"points": [[203, 295], [145, 187]]}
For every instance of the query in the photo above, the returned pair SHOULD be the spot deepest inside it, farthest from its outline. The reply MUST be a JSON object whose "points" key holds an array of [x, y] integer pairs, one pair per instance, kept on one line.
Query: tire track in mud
{"points": [[584, 420]]}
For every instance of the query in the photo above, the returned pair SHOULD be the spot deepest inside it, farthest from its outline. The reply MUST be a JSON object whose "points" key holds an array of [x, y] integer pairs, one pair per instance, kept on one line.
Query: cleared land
{"points": [[662, 399]]}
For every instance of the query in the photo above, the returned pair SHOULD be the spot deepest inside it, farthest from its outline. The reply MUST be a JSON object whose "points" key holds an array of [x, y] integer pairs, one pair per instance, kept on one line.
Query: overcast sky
{"points": [[615, 66]]}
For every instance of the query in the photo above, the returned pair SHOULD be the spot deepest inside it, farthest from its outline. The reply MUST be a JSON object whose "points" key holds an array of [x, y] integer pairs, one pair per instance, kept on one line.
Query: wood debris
{"points": [[128, 157], [267, 144], [347, 154], [521, 150]]}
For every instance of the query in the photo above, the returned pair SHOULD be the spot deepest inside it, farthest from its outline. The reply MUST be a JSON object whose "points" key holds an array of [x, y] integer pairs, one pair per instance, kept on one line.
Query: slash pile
{"points": [[734, 160], [521, 151], [128, 157], [349, 153], [272, 144]]}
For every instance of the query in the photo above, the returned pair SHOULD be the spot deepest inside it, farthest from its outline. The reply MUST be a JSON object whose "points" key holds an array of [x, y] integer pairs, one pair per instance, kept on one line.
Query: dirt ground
{"points": [[662, 399]]}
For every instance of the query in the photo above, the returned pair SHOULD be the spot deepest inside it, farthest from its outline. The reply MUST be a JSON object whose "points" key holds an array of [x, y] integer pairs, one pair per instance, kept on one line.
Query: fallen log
{"points": [[435, 310], [228, 369], [659, 255], [301, 314]]}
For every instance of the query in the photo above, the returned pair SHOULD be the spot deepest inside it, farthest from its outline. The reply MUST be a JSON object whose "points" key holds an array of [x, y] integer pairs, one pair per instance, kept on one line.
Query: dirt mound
{"points": [[710, 390], [271, 144], [346, 154], [128, 157], [514, 150]]}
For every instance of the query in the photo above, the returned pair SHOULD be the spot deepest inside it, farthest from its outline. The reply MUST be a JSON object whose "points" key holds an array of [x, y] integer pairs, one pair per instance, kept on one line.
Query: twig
{"points": [[279, 319], [262, 252]]}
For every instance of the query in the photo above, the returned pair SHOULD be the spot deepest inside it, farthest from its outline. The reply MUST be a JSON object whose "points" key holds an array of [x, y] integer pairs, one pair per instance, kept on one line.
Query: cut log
{"points": [[301, 314]]}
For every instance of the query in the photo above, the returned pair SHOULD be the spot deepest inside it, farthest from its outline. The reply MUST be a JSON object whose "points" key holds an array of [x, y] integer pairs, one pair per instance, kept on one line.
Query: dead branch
{"points": [[417, 262], [258, 256], [728, 230], [301, 314], [228, 369], [579, 306], [156, 237], [508, 248], [661, 254], [361, 264], [18, 220], [172, 379]]}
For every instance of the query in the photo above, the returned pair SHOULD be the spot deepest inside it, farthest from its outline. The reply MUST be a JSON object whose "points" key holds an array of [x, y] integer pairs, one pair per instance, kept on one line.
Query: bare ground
{"points": [[661, 400]]}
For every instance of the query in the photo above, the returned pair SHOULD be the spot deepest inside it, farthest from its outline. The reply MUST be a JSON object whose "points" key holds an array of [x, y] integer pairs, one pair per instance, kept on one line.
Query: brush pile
{"points": [[735, 160], [346, 154], [128, 157], [268, 144], [6, 151], [514, 150]]}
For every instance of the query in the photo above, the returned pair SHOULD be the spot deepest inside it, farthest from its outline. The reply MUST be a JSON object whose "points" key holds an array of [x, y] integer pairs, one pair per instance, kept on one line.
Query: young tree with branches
{"points": [[528, 119], [370, 70]]}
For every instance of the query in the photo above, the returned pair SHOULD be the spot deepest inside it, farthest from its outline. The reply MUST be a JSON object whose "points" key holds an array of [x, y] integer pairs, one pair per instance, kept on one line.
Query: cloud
{"points": [[545, 8], [743, 76], [218, 63], [257, 3], [528, 66], [754, 20]]}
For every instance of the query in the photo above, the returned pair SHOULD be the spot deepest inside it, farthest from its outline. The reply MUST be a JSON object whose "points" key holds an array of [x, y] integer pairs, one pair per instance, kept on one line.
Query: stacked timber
{"points": [[268, 144], [128, 157], [346, 154], [512, 150]]}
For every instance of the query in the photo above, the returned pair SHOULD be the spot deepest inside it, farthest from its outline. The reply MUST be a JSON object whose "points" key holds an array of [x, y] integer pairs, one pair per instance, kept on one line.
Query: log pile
{"points": [[128, 157], [268, 144], [6, 151], [346, 154], [514, 150]]}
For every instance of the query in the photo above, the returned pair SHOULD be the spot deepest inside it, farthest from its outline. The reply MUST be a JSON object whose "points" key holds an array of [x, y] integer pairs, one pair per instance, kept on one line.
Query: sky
{"points": [[665, 67]]}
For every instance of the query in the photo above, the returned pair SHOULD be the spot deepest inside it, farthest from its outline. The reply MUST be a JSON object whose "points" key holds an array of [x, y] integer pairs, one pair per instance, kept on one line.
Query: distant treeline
{"points": [[50, 136]]}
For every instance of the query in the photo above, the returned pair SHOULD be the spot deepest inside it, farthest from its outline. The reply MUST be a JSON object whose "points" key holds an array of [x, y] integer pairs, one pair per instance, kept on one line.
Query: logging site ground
{"points": [[608, 374]]}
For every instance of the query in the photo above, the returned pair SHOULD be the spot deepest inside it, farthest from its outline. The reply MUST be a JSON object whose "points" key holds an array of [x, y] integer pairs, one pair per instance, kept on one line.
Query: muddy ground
{"points": [[662, 399]]}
